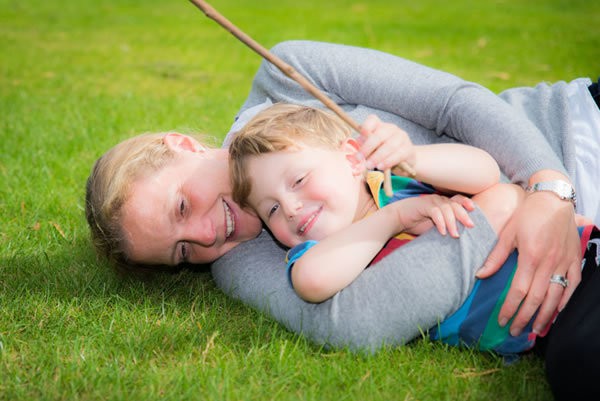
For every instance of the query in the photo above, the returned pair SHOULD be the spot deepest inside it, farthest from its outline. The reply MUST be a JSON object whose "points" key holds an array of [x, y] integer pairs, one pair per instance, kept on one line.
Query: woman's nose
{"points": [[203, 233]]}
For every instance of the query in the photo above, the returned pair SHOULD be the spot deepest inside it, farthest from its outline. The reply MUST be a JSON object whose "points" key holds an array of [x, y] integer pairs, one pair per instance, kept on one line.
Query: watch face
{"points": [[564, 190], [560, 188]]}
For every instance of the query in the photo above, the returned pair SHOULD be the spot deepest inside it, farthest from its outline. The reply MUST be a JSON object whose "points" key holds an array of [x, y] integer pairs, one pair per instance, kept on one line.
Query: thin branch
{"points": [[288, 70]]}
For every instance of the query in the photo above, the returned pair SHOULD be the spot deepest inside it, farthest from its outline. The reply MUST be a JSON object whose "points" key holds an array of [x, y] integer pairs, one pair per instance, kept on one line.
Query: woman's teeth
{"points": [[229, 221]]}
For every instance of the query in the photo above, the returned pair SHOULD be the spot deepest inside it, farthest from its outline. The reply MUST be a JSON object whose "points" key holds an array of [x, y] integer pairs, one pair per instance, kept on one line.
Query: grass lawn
{"points": [[76, 77]]}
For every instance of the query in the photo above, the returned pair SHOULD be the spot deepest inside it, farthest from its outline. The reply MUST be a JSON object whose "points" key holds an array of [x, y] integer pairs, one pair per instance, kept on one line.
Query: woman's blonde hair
{"points": [[108, 188], [281, 127]]}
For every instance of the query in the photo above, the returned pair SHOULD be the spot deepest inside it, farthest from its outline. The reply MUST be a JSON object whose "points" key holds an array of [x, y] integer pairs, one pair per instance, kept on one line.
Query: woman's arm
{"points": [[438, 102], [431, 104], [334, 262], [390, 303]]}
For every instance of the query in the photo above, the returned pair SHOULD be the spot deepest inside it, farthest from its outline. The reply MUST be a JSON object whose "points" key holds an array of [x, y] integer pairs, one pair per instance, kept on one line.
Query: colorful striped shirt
{"points": [[475, 323]]}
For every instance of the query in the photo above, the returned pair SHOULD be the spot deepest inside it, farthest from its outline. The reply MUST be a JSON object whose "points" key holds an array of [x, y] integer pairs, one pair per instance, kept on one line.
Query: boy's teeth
{"points": [[301, 230], [230, 223]]}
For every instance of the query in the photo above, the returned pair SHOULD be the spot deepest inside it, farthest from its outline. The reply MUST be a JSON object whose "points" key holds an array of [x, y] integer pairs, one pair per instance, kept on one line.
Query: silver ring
{"points": [[558, 279]]}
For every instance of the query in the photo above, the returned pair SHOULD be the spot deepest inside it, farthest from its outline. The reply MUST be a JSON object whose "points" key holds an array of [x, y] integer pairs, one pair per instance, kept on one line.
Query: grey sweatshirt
{"points": [[525, 130]]}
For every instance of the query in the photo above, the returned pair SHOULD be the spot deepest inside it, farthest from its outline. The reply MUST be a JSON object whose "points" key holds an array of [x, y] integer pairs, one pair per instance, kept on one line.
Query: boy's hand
{"points": [[419, 214], [384, 145]]}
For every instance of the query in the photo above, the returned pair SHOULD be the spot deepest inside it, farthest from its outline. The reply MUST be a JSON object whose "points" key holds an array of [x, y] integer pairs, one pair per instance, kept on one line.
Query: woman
{"points": [[140, 231], [387, 304]]}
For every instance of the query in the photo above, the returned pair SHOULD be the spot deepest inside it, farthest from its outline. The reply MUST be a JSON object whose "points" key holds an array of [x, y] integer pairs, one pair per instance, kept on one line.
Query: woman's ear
{"points": [[182, 143], [356, 159]]}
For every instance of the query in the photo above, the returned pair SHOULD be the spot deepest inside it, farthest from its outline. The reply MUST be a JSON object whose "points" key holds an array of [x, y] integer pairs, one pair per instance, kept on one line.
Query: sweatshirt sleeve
{"points": [[391, 303], [421, 283], [435, 100]]}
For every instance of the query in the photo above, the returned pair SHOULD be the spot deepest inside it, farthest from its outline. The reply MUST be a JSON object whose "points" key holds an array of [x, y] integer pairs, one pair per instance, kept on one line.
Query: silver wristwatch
{"points": [[561, 188]]}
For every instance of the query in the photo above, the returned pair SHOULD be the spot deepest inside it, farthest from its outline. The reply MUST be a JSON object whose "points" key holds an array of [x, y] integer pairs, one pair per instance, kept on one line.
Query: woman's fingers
{"points": [[574, 277], [548, 244]]}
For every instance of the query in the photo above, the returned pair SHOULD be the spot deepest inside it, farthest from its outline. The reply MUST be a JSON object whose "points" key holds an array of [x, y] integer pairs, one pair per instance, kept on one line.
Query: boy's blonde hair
{"points": [[108, 188], [281, 127]]}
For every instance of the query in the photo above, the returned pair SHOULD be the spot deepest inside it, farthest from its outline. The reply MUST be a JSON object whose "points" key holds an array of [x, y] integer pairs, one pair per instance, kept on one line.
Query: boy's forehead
{"points": [[311, 144]]}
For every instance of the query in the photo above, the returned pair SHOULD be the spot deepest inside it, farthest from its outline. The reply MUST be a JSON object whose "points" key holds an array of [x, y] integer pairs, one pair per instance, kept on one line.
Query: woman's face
{"points": [[184, 212]]}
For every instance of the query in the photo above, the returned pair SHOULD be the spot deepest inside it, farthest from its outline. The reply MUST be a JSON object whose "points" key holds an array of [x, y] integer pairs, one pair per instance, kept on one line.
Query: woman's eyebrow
{"points": [[173, 208], [174, 256]]}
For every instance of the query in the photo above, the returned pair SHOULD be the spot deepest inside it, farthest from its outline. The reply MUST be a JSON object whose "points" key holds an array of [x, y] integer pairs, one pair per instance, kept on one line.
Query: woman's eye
{"points": [[273, 209], [184, 252]]}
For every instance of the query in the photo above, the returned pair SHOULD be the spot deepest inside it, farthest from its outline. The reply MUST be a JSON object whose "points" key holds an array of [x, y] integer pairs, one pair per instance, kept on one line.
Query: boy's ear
{"points": [[182, 143], [356, 159]]}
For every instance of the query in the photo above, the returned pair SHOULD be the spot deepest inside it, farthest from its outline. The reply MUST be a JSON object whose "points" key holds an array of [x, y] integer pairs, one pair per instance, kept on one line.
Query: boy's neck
{"points": [[366, 204]]}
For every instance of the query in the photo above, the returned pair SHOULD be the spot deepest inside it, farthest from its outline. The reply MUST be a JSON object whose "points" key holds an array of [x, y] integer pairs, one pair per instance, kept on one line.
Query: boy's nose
{"points": [[291, 207]]}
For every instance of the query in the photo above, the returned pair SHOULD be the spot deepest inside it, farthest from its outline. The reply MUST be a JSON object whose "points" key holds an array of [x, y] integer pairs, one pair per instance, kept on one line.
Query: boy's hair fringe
{"points": [[277, 128]]}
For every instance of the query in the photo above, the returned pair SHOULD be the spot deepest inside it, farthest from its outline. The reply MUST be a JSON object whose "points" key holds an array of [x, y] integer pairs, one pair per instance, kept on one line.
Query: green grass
{"points": [[76, 77]]}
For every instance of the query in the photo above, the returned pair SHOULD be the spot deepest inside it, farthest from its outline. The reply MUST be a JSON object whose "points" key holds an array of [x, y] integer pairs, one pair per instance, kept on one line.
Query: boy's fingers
{"points": [[465, 202], [437, 217], [450, 218], [462, 215]]}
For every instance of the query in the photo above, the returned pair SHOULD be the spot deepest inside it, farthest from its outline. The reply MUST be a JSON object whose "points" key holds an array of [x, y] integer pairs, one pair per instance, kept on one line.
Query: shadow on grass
{"points": [[72, 284], [68, 303]]}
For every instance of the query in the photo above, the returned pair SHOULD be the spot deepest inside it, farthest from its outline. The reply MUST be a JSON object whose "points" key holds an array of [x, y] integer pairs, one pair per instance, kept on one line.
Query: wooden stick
{"points": [[288, 70]]}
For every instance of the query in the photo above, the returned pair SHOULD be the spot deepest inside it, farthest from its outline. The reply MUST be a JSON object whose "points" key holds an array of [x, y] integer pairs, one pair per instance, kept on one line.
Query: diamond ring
{"points": [[558, 279]]}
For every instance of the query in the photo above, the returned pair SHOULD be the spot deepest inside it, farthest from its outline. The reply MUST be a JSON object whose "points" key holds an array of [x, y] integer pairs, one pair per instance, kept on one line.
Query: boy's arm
{"points": [[450, 167], [336, 261], [456, 168]]}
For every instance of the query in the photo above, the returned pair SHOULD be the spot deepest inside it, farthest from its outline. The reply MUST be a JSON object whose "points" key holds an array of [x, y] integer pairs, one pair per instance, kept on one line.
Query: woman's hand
{"points": [[543, 229], [385, 145], [419, 214]]}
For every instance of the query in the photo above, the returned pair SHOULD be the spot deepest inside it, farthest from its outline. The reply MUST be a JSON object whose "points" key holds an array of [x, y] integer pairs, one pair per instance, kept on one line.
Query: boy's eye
{"points": [[182, 208], [273, 209], [298, 181]]}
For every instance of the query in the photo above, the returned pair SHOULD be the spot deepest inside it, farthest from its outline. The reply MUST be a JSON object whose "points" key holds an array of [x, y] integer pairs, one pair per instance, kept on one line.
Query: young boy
{"points": [[302, 173]]}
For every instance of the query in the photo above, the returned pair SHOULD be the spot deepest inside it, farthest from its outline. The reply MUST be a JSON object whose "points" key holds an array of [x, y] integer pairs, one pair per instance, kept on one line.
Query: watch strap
{"points": [[560, 188]]}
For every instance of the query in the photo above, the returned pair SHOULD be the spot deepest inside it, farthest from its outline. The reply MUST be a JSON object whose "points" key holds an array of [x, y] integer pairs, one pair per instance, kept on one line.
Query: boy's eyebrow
{"points": [[255, 206]]}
